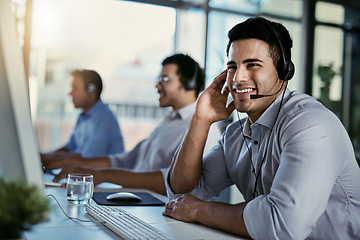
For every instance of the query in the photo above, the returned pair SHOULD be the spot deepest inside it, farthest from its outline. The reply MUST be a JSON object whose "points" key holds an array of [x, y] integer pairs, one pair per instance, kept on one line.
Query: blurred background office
{"points": [[125, 42]]}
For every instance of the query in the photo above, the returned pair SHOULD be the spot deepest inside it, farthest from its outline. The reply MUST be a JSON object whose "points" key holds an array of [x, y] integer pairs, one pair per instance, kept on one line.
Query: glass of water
{"points": [[79, 188]]}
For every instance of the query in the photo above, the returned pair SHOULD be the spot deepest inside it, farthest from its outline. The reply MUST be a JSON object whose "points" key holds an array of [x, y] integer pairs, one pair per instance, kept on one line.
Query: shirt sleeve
{"points": [[127, 159], [313, 145], [213, 137]]}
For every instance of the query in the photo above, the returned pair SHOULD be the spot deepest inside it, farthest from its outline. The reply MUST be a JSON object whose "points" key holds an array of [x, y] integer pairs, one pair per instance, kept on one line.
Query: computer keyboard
{"points": [[124, 224]]}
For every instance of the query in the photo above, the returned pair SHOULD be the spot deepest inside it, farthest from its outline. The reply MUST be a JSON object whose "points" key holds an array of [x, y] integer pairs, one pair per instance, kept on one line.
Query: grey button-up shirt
{"points": [[309, 183]]}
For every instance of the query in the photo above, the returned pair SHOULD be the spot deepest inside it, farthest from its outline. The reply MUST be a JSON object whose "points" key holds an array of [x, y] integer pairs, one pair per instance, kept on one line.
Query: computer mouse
{"points": [[123, 196]]}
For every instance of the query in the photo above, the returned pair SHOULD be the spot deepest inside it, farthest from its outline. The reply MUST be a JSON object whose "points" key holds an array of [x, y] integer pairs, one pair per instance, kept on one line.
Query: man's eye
{"points": [[229, 68], [251, 65]]}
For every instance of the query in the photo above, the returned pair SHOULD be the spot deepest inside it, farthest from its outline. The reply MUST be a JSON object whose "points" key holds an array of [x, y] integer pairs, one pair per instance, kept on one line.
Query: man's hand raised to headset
{"points": [[211, 105]]}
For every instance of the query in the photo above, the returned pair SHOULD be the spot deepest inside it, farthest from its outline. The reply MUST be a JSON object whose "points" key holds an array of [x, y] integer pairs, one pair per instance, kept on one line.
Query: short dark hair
{"points": [[260, 28], [90, 77], [188, 69]]}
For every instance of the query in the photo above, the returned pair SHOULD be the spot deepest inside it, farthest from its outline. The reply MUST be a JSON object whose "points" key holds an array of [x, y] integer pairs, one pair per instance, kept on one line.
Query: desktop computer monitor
{"points": [[19, 152]]}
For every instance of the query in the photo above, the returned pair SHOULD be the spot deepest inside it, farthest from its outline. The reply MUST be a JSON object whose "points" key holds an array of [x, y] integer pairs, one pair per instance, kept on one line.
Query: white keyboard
{"points": [[124, 224]]}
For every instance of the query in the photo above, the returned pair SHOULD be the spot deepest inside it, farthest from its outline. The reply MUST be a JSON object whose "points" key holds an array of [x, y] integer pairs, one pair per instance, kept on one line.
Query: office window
{"points": [[124, 41], [328, 60], [219, 25], [355, 119], [329, 12], [191, 33], [238, 5], [286, 8]]}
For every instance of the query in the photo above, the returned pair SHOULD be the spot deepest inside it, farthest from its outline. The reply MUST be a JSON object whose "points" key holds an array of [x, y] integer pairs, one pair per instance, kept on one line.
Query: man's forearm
{"points": [[217, 215], [223, 216], [95, 162], [185, 171], [61, 160], [153, 181]]}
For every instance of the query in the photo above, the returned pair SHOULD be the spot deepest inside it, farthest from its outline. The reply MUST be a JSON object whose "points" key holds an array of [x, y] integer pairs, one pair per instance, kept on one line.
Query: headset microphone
{"points": [[256, 96], [261, 96]]}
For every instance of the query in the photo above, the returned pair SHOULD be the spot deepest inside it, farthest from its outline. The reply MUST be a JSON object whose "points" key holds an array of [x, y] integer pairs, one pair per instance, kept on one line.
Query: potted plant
{"points": [[21, 206], [326, 74]]}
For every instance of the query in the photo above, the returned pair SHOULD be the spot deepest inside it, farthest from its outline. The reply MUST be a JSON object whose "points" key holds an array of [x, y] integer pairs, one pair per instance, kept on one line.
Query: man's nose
{"points": [[241, 75]]}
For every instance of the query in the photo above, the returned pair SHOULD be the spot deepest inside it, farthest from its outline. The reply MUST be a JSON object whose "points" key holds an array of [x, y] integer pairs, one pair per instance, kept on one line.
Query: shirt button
{"points": [[256, 142]]}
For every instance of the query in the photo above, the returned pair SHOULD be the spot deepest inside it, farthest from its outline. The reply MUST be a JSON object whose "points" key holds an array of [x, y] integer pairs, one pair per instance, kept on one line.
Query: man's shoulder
{"points": [[303, 108], [104, 108], [103, 115], [298, 102]]}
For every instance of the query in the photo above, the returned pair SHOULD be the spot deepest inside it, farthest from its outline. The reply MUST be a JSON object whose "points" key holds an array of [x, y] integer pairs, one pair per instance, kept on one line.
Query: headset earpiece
{"points": [[286, 70], [289, 70], [91, 88], [191, 84]]}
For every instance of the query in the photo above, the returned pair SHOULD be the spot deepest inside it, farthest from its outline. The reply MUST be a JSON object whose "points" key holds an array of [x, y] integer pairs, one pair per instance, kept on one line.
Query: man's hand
{"points": [[211, 105], [226, 217], [52, 160], [65, 171], [57, 160], [183, 208]]}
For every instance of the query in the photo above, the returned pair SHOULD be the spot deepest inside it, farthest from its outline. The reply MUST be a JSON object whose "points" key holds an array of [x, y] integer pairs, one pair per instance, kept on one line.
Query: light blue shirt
{"points": [[96, 133], [156, 152], [309, 184]]}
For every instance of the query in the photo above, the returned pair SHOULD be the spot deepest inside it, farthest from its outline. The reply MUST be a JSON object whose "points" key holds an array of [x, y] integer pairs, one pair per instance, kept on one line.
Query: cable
{"points": [[267, 147], [72, 218], [247, 146]]}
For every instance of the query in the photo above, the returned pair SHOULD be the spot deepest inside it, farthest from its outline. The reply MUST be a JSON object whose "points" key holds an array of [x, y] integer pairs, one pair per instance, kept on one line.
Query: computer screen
{"points": [[19, 152]]}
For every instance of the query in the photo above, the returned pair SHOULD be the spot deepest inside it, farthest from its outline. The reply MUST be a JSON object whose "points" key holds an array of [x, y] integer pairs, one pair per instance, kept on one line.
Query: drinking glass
{"points": [[79, 188]]}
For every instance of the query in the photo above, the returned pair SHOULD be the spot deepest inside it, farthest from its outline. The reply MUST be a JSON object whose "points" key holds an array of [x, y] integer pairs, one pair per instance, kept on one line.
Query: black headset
{"points": [[285, 70], [192, 83]]}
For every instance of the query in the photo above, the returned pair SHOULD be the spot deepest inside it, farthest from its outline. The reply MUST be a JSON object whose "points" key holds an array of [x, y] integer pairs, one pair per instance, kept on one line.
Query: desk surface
{"points": [[61, 227]]}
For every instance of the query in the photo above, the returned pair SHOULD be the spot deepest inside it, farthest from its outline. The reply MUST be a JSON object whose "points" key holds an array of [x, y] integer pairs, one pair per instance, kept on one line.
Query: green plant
{"points": [[21, 206], [326, 74]]}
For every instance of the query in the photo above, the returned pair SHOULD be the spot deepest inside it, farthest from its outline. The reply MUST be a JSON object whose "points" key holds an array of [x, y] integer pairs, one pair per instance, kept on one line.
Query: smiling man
{"points": [[145, 166], [291, 158]]}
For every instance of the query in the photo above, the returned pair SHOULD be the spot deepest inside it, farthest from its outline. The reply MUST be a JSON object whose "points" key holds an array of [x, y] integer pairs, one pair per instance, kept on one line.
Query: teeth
{"points": [[244, 90]]}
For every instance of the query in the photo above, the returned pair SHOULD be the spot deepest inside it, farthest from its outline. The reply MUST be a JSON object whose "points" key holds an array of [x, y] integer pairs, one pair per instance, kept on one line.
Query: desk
{"points": [[60, 227]]}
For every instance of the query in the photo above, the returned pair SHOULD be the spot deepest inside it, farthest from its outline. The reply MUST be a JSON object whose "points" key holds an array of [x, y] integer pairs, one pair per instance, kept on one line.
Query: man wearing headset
{"points": [[145, 166], [97, 130], [291, 158]]}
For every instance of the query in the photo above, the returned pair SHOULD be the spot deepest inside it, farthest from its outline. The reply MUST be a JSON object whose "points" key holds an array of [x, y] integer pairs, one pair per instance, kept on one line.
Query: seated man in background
{"points": [[97, 130], [291, 158], [145, 166]]}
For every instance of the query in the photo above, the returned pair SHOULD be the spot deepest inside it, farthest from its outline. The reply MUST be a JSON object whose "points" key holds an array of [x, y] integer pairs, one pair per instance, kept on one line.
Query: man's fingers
{"points": [[60, 176], [219, 80]]}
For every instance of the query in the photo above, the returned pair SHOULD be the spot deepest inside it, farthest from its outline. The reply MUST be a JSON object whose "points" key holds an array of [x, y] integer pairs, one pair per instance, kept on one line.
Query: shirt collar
{"points": [[247, 129], [269, 116], [183, 113], [94, 108]]}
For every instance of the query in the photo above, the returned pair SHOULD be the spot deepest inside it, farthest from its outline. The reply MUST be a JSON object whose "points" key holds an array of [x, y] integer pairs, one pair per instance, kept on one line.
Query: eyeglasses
{"points": [[162, 80]]}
